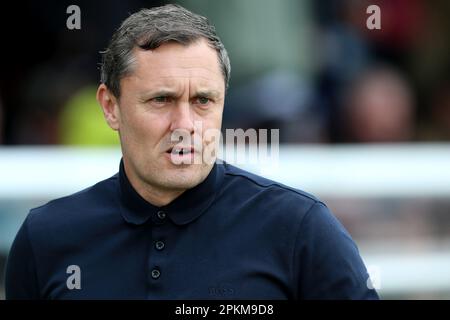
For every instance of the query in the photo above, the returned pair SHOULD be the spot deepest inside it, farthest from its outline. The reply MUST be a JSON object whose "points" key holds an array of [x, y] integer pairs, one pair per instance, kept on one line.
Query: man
{"points": [[168, 227]]}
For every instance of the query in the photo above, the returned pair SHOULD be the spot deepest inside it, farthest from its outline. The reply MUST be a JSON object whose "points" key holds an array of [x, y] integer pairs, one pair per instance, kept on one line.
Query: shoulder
{"points": [[320, 247], [284, 208], [268, 190], [76, 208]]}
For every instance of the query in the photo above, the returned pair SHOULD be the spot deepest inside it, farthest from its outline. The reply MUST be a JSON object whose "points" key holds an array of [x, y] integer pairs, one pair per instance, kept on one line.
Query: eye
{"points": [[202, 100], [161, 99]]}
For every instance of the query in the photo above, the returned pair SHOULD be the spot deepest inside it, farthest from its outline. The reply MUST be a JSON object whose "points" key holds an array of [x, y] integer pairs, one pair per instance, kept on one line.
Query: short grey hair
{"points": [[147, 29]]}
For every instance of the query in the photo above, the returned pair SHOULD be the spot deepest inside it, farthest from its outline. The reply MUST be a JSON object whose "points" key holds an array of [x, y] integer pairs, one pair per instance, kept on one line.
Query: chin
{"points": [[184, 177]]}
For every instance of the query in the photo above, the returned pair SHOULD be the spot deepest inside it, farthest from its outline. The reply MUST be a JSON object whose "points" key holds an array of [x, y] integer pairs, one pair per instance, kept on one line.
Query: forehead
{"points": [[173, 61]]}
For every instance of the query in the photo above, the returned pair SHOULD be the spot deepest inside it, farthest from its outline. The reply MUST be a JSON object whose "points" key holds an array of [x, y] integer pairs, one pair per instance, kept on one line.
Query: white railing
{"points": [[374, 171]]}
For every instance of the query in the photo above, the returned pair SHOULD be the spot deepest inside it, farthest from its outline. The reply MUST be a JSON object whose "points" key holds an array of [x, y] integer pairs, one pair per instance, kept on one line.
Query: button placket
{"points": [[157, 255]]}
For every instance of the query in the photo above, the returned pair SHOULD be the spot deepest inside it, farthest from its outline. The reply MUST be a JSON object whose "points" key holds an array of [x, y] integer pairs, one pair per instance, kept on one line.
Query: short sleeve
{"points": [[20, 277], [327, 263]]}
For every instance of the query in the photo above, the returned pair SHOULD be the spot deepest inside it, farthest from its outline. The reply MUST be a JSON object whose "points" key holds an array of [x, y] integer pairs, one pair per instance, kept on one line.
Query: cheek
{"points": [[213, 119], [211, 128], [144, 129]]}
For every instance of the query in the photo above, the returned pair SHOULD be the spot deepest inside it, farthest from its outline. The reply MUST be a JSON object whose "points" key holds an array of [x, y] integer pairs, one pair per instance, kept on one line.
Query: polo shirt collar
{"points": [[186, 208]]}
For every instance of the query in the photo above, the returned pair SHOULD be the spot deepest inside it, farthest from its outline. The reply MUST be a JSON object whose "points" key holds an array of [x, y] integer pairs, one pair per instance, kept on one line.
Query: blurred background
{"points": [[364, 115]]}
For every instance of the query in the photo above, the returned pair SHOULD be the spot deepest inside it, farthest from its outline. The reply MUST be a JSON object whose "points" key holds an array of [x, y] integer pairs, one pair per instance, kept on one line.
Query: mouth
{"points": [[180, 151]]}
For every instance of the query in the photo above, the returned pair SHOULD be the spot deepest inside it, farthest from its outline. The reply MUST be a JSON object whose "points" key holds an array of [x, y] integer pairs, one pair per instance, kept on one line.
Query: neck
{"points": [[156, 196]]}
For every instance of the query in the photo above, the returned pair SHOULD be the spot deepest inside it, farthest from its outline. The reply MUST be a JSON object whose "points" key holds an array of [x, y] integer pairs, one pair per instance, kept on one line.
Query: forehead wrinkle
{"points": [[178, 88], [172, 83], [179, 55], [190, 79], [165, 73]]}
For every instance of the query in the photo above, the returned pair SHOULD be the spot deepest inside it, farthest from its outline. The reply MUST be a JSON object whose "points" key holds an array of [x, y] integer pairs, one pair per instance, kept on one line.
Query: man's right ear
{"points": [[109, 105]]}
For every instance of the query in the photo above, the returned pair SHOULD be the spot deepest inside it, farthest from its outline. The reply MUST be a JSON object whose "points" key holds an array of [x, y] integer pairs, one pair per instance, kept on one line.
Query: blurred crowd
{"points": [[310, 68]]}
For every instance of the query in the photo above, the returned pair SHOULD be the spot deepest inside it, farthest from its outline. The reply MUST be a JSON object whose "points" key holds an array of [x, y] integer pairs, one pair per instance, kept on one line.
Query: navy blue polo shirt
{"points": [[234, 236]]}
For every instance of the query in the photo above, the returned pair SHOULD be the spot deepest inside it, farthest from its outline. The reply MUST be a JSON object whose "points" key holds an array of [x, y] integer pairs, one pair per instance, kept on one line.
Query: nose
{"points": [[182, 118]]}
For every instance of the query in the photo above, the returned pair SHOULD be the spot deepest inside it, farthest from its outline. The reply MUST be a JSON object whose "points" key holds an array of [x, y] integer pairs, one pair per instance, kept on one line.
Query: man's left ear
{"points": [[109, 105]]}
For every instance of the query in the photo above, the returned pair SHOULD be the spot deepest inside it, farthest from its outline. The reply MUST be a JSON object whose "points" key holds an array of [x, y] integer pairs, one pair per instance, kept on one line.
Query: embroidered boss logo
{"points": [[74, 280], [221, 290]]}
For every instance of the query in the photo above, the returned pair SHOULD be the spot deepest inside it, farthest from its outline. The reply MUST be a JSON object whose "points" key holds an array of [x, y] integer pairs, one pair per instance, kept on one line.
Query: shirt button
{"points": [[156, 273], [159, 245], [161, 215]]}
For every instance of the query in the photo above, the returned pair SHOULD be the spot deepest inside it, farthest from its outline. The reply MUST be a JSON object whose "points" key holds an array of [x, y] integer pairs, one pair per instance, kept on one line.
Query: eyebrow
{"points": [[158, 93], [208, 93], [213, 94], [163, 92]]}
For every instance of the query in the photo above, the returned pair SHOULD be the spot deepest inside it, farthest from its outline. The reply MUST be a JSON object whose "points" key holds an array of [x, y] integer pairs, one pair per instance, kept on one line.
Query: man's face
{"points": [[172, 88]]}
